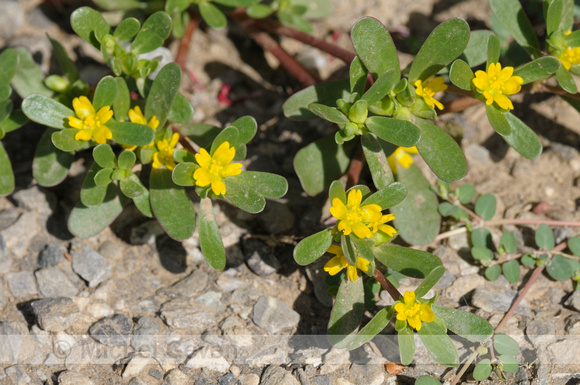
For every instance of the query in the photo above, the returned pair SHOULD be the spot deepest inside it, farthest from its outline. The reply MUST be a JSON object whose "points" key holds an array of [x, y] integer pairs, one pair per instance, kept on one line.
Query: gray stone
{"points": [[186, 313], [5, 261], [175, 377], [540, 332], [212, 300], [114, 330], [18, 375], [50, 256], [277, 218], [90, 265], [274, 316], [260, 257], [228, 379], [367, 374], [155, 373], [477, 153], [249, 379], [53, 282], [210, 359], [22, 284], [55, 314], [574, 301], [12, 334], [70, 377], [135, 365], [136, 381], [245, 295], [564, 353], [11, 17], [565, 152], [573, 325], [3, 300], [227, 281], [19, 235], [33, 199], [498, 301], [188, 286], [8, 217], [276, 375], [147, 334]]}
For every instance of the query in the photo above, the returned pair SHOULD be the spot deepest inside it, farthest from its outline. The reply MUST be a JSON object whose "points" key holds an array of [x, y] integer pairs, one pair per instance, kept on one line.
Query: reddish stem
{"points": [[354, 170], [185, 42], [387, 285]]}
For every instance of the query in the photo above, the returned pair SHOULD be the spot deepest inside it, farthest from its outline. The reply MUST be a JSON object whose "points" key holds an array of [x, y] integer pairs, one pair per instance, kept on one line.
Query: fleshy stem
{"points": [[355, 168], [469, 361], [387, 285], [185, 42]]}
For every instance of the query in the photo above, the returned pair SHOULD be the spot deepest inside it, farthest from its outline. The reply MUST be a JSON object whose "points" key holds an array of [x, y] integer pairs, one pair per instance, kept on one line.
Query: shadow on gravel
{"points": [[172, 254]]}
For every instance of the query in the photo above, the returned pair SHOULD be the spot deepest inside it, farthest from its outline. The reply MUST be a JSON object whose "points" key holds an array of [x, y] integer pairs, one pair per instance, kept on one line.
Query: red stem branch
{"points": [[185, 42], [387, 285]]}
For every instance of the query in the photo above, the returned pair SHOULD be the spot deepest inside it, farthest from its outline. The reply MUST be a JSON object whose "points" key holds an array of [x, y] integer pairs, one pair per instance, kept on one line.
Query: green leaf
{"points": [[566, 81], [461, 75], [259, 11], [381, 87], [313, 247], [441, 152], [181, 110], [482, 370], [228, 134], [29, 78], [363, 248], [182, 155], [93, 195], [183, 174], [573, 39], [387, 197], [242, 196], [481, 253], [328, 113], [68, 67], [417, 219], [127, 29], [528, 260], [142, 202], [269, 185], [466, 193], [377, 161], [131, 133], [493, 50], [447, 209], [16, 120], [406, 340], [315, 9], [399, 132], [103, 178], [6, 173], [321, 162], [89, 24], [426, 380], [358, 76], [444, 44], [346, 313], [127, 159], [467, 325], [511, 270], [545, 237], [348, 249], [510, 364], [473, 54], [65, 140], [122, 101], [504, 344], [119, 5], [485, 206], [50, 165], [46, 111], [512, 17], [105, 93], [163, 93], [377, 324], [155, 30], [5, 109], [336, 190], [559, 268], [439, 345], [296, 107], [210, 239], [133, 188], [410, 262], [574, 245], [85, 222], [104, 156], [171, 205], [559, 16], [374, 45], [247, 127], [430, 280], [8, 66], [493, 272], [538, 69], [508, 241], [212, 15]]}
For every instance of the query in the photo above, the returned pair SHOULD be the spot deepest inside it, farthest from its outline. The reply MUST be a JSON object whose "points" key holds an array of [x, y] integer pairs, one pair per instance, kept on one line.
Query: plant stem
{"points": [[387, 285], [556, 90], [185, 42], [499, 222], [450, 233], [469, 361], [293, 67], [355, 168]]}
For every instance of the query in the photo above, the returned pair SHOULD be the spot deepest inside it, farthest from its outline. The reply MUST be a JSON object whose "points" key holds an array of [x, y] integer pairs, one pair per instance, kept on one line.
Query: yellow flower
{"points": [[429, 88], [136, 116], [402, 155], [216, 167], [164, 154], [354, 218], [91, 124], [496, 83], [379, 225], [339, 262], [413, 312], [570, 55]]}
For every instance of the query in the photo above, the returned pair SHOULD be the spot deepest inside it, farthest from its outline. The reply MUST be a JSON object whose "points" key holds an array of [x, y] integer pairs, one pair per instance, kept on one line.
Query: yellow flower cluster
{"points": [[213, 168], [364, 221], [339, 262], [412, 311], [496, 83], [90, 123], [570, 55], [429, 88], [403, 156]]}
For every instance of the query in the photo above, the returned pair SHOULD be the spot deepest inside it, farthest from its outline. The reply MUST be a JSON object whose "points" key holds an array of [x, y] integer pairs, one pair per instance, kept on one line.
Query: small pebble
{"points": [[114, 330], [55, 314], [50, 256]]}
